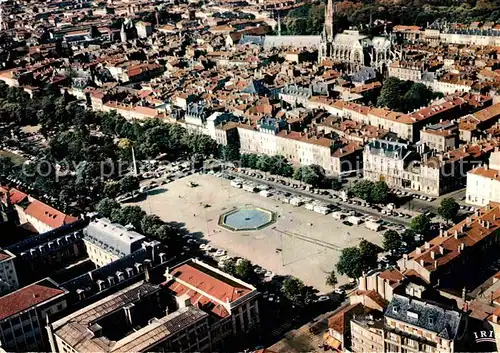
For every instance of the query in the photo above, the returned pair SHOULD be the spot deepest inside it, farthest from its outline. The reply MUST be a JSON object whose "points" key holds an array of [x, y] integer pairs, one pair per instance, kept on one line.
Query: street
{"points": [[340, 203]]}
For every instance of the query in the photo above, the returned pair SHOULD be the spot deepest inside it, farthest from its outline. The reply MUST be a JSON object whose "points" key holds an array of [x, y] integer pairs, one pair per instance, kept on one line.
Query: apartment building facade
{"points": [[233, 303], [137, 318], [393, 162], [483, 183], [461, 249], [49, 251], [406, 71], [440, 137], [414, 325], [8, 275], [300, 147], [107, 242], [23, 314], [367, 333]]}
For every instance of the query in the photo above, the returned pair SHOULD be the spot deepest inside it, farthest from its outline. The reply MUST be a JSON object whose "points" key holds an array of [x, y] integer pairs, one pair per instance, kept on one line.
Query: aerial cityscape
{"points": [[249, 176]]}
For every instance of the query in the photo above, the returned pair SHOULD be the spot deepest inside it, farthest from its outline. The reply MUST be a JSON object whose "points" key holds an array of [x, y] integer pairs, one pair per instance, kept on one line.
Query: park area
{"points": [[297, 242]]}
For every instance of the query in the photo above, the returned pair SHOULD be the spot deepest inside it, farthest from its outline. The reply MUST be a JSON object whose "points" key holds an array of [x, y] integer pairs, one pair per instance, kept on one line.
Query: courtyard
{"points": [[296, 242]]}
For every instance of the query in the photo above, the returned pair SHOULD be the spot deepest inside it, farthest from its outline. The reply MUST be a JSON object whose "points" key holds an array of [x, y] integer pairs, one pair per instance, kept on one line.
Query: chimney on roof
{"points": [[456, 234], [435, 264], [422, 263], [433, 255], [418, 250], [128, 313], [427, 245]]}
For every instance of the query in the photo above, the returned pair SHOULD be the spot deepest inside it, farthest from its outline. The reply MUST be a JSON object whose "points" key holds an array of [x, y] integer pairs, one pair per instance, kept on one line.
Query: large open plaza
{"points": [[288, 240]]}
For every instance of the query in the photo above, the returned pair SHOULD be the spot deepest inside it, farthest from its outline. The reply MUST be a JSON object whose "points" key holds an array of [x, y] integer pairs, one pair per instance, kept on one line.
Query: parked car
{"points": [[220, 252], [323, 298]]}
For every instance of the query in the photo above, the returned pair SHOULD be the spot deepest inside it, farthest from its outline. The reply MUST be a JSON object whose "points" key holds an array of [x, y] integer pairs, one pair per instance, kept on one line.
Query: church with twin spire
{"points": [[353, 48]]}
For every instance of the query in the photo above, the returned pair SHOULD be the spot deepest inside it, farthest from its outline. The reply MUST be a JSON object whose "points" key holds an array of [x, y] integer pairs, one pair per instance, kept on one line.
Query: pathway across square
{"points": [[300, 242]]}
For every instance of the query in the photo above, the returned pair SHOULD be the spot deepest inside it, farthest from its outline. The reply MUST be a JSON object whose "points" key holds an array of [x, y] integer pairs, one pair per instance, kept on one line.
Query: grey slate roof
{"points": [[429, 316], [87, 281], [255, 87], [113, 237], [390, 149], [282, 41], [67, 233], [364, 74]]}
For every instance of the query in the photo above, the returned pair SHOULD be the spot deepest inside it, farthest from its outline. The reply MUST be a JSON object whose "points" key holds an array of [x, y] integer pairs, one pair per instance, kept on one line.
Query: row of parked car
{"points": [[221, 256], [413, 195]]}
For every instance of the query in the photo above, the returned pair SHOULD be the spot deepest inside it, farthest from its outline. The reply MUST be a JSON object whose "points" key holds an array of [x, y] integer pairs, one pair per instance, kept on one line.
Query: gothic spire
{"points": [[329, 18]]}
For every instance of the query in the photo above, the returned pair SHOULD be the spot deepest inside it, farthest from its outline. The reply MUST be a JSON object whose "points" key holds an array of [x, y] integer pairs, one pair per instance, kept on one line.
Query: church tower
{"points": [[123, 34], [328, 34]]}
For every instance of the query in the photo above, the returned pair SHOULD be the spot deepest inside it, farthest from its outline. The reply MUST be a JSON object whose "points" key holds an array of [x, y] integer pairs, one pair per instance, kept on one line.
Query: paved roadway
{"points": [[337, 202], [301, 339]]}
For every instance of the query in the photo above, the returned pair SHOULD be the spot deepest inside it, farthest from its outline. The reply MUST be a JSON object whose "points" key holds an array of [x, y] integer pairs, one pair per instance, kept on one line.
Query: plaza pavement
{"points": [[310, 242]]}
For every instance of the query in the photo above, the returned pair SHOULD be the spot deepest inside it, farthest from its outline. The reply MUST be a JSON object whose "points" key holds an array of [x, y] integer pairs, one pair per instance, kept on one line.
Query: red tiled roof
{"points": [[338, 321], [16, 196], [48, 215], [392, 275], [210, 284], [198, 299], [4, 256], [25, 298], [448, 246]]}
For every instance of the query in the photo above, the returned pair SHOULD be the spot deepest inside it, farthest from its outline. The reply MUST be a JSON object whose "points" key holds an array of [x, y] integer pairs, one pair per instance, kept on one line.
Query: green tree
{"points": [[336, 184], [404, 96], [229, 267], [245, 160], [369, 253], [249, 160], [150, 224], [408, 237], [6, 166], [392, 241], [296, 292], [129, 183], [310, 174], [244, 270], [168, 235], [363, 189], [112, 189], [129, 215], [421, 224], [230, 153], [350, 262], [379, 192], [264, 163], [448, 209], [417, 96], [279, 165], [106, 206], [391, 93], [331, 280]]}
